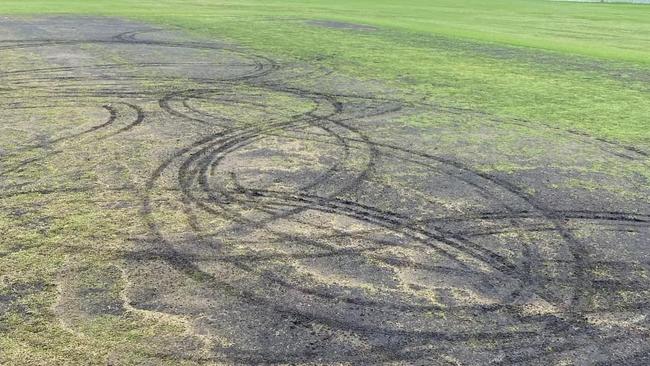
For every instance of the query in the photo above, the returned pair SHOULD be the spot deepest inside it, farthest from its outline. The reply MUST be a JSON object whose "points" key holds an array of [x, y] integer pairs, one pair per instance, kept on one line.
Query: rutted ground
{"points": [[170, 199]]}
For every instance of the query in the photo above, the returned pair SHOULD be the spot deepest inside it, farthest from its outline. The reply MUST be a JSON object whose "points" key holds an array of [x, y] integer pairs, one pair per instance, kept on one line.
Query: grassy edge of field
{"points": [[416, 55]]}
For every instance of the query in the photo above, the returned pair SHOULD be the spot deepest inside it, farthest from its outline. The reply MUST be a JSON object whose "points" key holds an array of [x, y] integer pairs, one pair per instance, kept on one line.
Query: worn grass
{"points": [[567, 66]]}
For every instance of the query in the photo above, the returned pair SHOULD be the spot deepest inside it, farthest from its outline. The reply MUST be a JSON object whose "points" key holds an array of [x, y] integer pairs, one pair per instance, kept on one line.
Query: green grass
{"points": [[609, 30], [574, 65]]}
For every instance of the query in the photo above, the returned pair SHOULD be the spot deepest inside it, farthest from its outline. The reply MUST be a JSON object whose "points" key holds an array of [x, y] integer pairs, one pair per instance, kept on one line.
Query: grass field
{"points": [[324, 182], [576, 65]]}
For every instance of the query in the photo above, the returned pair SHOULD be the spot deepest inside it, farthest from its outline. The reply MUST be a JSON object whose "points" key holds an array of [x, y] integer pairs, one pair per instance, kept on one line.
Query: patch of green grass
{"points": [[607, 30], [579, 66]]}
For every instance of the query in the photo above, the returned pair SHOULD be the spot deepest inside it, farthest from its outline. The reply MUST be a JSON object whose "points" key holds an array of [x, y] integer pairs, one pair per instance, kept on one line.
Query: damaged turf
{"points": [[191, 200]]}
